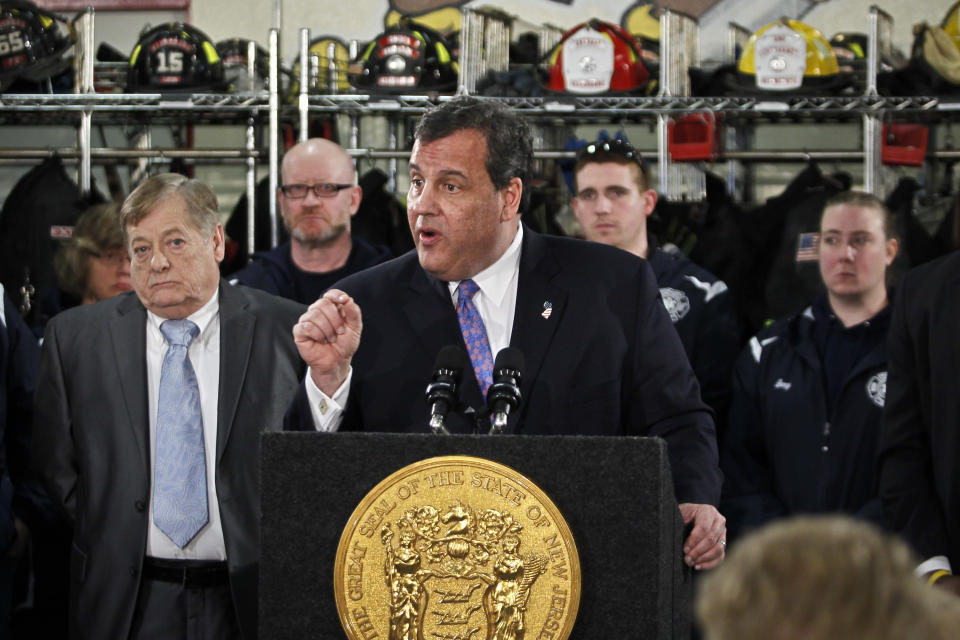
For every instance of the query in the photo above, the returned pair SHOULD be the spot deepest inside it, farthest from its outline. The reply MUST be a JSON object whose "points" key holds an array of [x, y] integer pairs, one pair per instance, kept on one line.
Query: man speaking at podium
{"points": [[601, 355]]}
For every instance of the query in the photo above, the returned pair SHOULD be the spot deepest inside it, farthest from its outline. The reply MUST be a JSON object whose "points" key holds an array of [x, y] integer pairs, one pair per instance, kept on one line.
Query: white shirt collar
{"points": [[202, 317], [494, 280]]}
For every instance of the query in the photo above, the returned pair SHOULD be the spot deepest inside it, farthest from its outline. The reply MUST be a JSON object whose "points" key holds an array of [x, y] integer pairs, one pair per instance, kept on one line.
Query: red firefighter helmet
{"points": [[596, 57]]}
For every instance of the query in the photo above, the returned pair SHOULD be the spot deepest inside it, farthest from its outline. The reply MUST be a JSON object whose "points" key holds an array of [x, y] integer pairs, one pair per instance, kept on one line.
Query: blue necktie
{"points": [[180, 468], [475, 335]]}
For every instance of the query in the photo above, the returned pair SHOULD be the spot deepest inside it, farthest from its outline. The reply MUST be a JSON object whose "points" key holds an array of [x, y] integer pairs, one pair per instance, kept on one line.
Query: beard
{"points": [[317, 238]]}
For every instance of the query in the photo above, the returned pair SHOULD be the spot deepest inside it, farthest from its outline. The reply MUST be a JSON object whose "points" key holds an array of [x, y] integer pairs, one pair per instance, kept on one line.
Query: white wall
{"points": [[363, 19]]}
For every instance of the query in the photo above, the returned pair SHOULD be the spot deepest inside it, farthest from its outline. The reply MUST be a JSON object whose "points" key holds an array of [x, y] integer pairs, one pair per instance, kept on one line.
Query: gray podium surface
{"points": [[615, 493]]}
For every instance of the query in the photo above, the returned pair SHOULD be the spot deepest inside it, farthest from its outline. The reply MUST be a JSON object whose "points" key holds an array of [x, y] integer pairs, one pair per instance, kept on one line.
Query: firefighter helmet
{"points": [[175, 57], [406, 57], [789, 55], [596, 57], [33, 42]]}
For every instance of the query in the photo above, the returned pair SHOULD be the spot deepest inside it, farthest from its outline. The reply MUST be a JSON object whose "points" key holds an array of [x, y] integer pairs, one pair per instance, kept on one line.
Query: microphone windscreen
{"points": [[451, 357], [509, 358]]}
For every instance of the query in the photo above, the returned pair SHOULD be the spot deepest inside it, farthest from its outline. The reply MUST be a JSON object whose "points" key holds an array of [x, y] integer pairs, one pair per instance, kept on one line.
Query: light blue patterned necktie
{"points": [[180, 467], [475, 335]]}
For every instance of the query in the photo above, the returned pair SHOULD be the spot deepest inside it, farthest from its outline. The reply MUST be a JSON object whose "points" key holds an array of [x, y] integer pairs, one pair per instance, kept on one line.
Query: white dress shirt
{"points": [[205, 358], [496, 303]]}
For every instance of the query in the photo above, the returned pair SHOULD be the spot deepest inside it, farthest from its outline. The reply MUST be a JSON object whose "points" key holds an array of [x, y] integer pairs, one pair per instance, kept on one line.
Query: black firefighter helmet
{"points": [[33, 42], [175, 57], [234, 54], [406, 57]]}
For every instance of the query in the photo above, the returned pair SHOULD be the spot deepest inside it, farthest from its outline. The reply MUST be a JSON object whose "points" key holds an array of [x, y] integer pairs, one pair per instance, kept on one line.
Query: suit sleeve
{"points": [[665, 400], [52, 446], [906, 482], [749, 497]]}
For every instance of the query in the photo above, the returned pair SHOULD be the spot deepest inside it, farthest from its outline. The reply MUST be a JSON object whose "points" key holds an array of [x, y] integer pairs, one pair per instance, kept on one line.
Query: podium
{"points": [[615, 493]]}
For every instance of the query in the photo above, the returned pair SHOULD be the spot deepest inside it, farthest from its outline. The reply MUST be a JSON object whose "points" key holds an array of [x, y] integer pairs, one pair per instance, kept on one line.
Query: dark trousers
{"points": [[168, 610]]}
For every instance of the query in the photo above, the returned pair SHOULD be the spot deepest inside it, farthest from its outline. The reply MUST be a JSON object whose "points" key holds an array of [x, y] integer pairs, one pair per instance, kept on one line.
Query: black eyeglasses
{"points": [[321, 190]]}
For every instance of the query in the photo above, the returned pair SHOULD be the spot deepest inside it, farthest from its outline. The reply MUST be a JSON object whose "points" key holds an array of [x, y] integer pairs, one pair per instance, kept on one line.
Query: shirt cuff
{"points": [[936, 563], [327, 411]]}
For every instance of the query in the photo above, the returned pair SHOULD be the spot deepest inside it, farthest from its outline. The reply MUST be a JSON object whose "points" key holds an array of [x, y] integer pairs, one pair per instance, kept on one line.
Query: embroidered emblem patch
{"points": [[877, 388], [676, 302]]}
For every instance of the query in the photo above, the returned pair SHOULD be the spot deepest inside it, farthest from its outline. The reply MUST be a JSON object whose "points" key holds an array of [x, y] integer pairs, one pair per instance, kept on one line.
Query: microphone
{"points": [[504, 394], [441, 392]]}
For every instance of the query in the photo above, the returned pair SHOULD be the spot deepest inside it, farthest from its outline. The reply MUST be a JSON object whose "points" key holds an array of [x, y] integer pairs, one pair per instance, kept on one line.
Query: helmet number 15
{"points": [[11, 42], [169, 61]]}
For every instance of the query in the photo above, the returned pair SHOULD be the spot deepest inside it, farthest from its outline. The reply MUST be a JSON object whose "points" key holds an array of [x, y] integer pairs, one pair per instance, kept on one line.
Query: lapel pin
{"points": [[547, 309]]}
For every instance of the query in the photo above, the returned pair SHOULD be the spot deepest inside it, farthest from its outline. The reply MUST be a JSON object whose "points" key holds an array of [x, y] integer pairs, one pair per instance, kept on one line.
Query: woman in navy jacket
{"points": [[808, 391]]}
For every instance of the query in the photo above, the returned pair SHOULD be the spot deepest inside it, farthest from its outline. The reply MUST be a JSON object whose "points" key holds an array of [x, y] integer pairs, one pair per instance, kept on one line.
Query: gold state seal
{"points": [[457, 548]]}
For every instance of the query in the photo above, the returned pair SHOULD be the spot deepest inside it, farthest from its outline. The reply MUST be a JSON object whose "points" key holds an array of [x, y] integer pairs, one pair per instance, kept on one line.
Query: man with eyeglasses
{"points": [[601, 356], [317, 199], [612, 201]]}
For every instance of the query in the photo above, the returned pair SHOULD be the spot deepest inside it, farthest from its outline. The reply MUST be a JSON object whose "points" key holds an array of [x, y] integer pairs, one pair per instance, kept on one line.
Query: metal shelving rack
{"points": [[252, 110], [678, 45], [261, 110], [644, 107]]}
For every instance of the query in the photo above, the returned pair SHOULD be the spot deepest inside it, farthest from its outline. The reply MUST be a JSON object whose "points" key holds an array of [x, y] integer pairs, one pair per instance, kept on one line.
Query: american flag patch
{"points": [[808, 247]]}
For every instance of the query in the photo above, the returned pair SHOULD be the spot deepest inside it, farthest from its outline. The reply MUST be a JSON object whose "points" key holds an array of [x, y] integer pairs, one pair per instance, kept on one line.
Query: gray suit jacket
{"points": [[91, 442]]}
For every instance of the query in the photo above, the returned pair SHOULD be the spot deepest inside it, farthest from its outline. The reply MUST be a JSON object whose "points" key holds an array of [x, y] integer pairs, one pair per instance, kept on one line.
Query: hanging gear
{"points": [[37, 215], [596, 57], [33, 43], [406, 57], [175, 57]]}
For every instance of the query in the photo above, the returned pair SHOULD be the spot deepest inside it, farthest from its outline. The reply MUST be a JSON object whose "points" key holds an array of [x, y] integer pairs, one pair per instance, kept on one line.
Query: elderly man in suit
{"points": [[601, 354], [149, 409]]}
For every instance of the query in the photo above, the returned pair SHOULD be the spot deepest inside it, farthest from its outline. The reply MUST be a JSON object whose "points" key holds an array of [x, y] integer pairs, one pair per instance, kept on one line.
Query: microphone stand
{"points": [[499, 423], [437, 424]]}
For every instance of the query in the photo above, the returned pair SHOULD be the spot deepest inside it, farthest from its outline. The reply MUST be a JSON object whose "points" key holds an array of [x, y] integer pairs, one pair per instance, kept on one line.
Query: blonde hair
{"points": [[865, 200], [819, 578]]}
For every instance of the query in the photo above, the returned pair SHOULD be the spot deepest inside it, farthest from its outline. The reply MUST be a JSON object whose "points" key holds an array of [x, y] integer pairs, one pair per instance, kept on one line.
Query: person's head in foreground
{"points": [[820, 578]]}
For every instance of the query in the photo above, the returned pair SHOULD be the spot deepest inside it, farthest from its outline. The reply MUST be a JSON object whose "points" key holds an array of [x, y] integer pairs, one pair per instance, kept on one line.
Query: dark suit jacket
{"points": [[920, 442], [18, 378], [91, 442], [605, 360]]}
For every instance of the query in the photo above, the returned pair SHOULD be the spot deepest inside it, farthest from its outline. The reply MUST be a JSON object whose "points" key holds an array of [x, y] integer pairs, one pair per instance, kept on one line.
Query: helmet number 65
{"points": [[11, 42]]}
